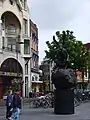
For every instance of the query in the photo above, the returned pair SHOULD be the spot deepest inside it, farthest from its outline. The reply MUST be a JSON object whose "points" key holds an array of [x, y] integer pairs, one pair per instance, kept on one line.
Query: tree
{"points": [[77, 54]]}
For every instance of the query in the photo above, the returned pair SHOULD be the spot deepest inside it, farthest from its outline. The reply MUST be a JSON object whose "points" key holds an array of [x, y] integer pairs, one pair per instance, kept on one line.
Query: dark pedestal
{"points": [[64, 102]]}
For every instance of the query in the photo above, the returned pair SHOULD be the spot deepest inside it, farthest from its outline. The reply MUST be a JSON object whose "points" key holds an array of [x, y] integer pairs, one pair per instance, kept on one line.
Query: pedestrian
{"points": [[9, 106], [16, 106], [20, 103]]}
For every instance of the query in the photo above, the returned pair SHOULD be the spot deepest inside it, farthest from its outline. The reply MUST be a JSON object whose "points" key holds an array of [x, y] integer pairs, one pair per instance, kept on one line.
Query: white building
{"points": [[14, 46]]}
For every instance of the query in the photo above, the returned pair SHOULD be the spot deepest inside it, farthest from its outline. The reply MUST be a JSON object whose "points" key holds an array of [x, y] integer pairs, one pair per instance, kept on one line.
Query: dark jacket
{"points": [[16, 101], [9, 100]]}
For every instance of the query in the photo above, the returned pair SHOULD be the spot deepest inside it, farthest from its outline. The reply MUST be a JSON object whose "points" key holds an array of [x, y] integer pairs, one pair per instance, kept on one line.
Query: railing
{"points": [[6, 49]]}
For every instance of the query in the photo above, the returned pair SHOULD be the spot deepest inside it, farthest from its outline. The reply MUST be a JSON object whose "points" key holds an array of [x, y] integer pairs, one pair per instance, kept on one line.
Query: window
{"points": [[85, 73], [33, 36], [31, 63], [25, 24], [32, 78], [11, 2], [26, 69], [26, 47], [36, 78], [3, 25], [37, 48], [3, 42], [25, 4], [11, 43], [11, 29]]}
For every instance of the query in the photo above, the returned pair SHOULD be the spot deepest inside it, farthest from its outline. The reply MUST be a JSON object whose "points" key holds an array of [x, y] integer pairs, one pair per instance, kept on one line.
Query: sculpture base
{"points": [[64, 102]]}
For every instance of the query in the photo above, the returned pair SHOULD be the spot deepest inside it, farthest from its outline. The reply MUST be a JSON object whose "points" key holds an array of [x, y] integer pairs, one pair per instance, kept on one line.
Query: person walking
{"points": [[16, 106], [20, 103], [9, 105]]}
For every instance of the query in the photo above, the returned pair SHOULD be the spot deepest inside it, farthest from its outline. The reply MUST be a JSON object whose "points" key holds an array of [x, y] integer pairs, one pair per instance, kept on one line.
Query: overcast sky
{"points": [[53, 15]]}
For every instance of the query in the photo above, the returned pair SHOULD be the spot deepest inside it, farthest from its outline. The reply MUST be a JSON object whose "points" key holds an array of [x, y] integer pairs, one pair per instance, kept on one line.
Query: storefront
{"points": [[10, 76]]}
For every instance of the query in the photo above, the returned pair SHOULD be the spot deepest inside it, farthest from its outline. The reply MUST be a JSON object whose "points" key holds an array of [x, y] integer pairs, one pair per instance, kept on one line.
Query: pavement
{"points": [[82, 112]]}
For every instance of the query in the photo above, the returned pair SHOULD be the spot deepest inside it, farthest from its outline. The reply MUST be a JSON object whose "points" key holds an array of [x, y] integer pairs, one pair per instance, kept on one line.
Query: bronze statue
{"points": [[64, 80]]}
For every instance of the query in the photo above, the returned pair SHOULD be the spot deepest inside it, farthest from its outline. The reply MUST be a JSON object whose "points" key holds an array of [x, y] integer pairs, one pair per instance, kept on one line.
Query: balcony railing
{"points": [[6, 49]]}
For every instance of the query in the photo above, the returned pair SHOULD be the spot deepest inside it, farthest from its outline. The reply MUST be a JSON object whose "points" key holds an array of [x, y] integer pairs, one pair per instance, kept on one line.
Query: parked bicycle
{"points": [[43, 101]]}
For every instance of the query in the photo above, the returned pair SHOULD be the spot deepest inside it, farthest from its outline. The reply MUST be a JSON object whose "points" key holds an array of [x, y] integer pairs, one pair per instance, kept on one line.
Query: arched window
{"points": [[11, 29]]}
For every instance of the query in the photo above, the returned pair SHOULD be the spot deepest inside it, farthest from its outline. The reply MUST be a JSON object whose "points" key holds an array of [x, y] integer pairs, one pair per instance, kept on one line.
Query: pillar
{"points": [[0, 35]]}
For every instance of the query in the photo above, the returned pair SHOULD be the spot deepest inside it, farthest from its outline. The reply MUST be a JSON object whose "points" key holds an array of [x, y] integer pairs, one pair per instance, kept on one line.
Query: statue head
{"points": [[62, 57]]}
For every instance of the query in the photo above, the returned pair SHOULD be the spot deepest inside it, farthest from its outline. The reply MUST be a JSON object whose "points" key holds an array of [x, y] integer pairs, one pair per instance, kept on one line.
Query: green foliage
{"points": [[77, 54]]}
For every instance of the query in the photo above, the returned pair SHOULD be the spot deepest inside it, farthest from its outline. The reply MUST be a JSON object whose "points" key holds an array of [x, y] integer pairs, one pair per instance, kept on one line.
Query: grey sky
{"points": [[53, 15]]}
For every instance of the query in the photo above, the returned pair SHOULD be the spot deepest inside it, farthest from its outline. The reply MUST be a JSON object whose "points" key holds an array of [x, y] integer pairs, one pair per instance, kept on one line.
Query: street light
{"points": [[17, 51]]}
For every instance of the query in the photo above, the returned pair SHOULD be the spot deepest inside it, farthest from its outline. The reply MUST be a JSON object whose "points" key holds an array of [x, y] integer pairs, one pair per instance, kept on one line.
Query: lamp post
{"points": [[30, 82], [17, 51]]}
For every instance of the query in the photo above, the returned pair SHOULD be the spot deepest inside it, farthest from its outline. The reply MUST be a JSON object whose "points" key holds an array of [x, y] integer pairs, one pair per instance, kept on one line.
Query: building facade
{"points": [[84, 83], [87, 72], [46, 68], [36, 83], [14, 47]]}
